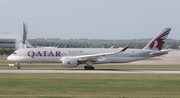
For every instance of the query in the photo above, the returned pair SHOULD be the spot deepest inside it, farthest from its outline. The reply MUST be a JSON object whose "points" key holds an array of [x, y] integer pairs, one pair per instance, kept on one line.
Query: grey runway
{"points": [[106, 70]]}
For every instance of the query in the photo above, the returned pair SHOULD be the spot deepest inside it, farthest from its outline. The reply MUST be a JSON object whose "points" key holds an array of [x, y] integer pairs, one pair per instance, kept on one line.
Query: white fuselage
{"points": [[55, 54]]}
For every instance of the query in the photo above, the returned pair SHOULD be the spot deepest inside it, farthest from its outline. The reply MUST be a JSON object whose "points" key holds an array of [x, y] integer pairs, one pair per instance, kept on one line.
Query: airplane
{"points": [[72, 57]]}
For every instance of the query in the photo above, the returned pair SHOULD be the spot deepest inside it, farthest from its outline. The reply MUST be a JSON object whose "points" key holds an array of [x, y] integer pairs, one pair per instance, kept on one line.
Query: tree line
{"points": [[77, 44], [105, 44], [6, 51]]}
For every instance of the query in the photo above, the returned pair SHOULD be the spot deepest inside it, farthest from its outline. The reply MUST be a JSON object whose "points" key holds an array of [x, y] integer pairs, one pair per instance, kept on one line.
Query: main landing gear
{"points": [[18, 66], [88, 66]]}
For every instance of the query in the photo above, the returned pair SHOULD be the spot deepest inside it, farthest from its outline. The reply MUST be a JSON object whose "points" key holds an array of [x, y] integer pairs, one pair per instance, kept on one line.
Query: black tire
{"points": [[18, 67], [88, 67], [91, 67], [85, 67]]}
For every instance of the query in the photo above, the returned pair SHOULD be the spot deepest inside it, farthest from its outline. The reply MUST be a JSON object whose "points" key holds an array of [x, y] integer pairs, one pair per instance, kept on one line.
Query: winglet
{"points": [[124, 48]]}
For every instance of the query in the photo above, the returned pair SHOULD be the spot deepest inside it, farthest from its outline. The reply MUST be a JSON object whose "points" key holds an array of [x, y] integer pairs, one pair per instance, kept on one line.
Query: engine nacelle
{"points": [[69, 62]]}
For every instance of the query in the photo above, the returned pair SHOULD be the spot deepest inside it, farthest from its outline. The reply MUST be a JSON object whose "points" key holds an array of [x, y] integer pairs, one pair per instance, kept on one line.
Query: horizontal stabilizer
{"points": [[158, 53]]}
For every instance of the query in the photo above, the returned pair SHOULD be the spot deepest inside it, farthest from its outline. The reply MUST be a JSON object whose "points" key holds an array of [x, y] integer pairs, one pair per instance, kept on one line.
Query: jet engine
{"points": [[69, 62]]}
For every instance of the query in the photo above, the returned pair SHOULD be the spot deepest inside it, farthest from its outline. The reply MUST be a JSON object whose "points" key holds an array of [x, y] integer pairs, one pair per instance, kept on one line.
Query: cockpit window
{"points": [[14, 53]]}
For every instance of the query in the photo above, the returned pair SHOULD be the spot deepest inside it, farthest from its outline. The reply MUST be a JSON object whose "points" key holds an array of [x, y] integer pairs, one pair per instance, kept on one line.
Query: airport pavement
{"points": [[105, 70]]}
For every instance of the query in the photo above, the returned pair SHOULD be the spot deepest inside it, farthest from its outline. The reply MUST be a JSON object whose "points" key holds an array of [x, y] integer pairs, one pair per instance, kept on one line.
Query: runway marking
{"points": [[134, 70]]}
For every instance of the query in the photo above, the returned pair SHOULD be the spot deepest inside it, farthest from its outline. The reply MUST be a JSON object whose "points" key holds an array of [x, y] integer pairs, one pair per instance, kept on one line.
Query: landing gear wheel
{"points": [[91, 67], [85, 67], [88, 67], [18, 67]]}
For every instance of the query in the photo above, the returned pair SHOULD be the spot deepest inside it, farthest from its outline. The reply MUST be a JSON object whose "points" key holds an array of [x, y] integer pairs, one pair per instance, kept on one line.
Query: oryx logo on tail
{"points": [[158, 41]]}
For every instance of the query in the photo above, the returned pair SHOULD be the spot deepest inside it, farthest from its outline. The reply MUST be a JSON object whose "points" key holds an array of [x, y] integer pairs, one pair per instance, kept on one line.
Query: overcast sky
{"points": [[92, 19]]}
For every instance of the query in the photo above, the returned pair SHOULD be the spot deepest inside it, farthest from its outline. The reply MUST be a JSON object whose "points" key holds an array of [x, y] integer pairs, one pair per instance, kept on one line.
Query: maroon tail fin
{"points": [[158, 41]]}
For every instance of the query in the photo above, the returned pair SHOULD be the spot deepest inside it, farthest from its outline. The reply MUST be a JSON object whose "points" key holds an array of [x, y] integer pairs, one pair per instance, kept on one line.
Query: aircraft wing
{"points": [[100, 55]]}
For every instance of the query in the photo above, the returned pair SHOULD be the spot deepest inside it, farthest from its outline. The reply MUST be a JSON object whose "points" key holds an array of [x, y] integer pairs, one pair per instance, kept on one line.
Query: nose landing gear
{"points": [[18, 66]]}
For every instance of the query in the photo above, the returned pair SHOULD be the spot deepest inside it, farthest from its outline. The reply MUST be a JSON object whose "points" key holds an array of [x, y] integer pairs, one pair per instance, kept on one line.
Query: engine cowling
{"points": [[69, 62]]}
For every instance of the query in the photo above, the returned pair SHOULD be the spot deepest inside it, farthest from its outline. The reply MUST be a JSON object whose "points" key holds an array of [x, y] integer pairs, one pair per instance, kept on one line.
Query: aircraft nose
{"points": [[9, 57]]}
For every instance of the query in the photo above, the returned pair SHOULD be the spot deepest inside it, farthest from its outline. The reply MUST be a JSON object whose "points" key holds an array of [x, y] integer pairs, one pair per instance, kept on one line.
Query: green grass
{"points": [[3, 57], [89, 85], [32, 85]]}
